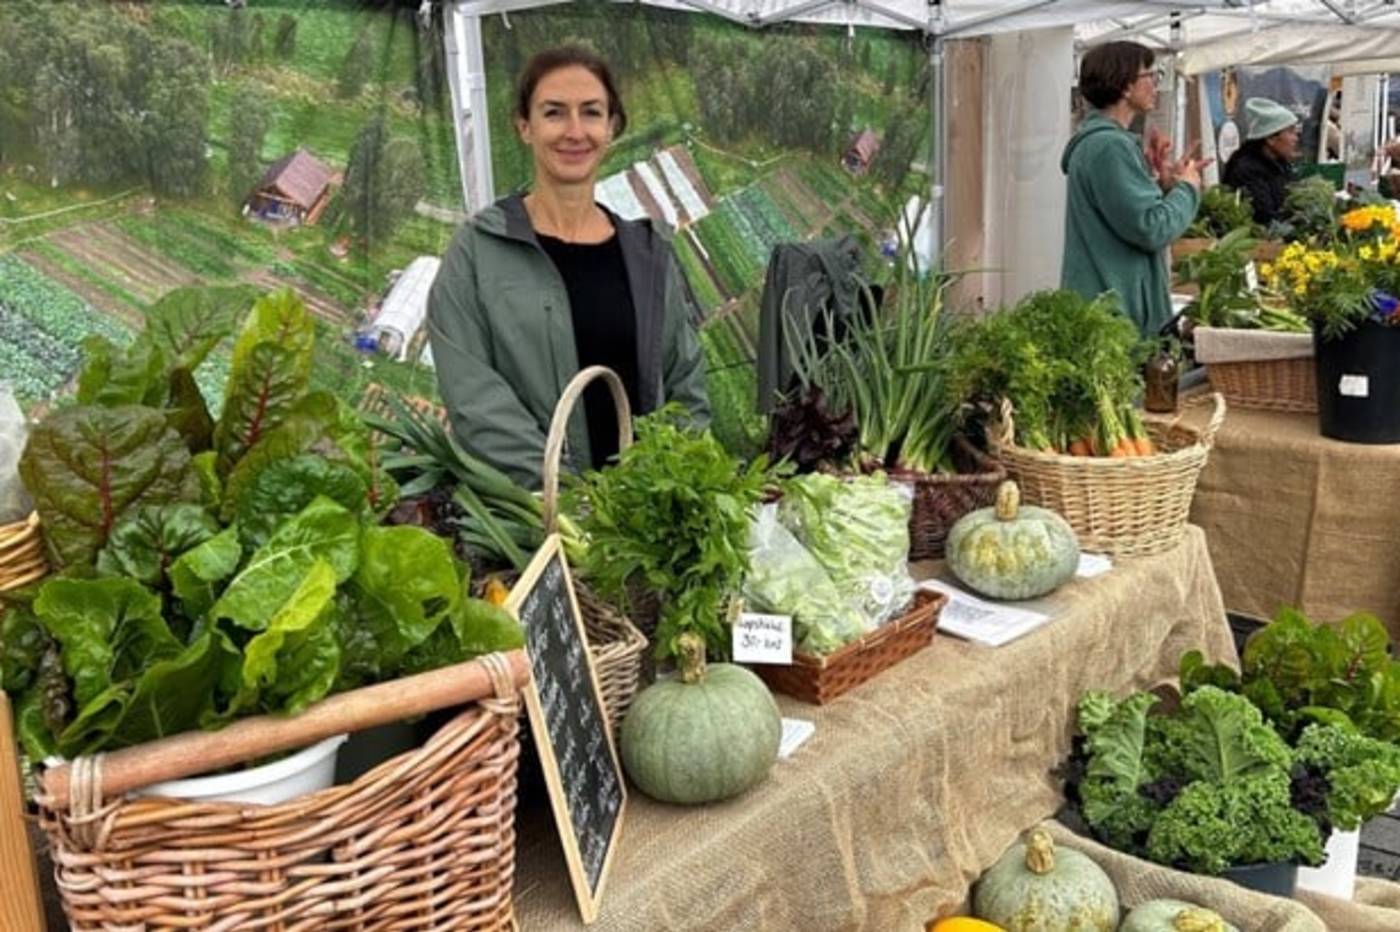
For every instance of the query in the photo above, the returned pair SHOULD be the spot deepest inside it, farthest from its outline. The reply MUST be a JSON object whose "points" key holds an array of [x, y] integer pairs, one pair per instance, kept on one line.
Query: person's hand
{"points": [[1157, 150], [1189, 167]]}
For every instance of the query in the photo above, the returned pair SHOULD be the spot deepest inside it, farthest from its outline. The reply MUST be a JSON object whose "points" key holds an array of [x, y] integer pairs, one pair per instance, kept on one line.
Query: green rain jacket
{"points": [[503, 338], [1118, 221]]}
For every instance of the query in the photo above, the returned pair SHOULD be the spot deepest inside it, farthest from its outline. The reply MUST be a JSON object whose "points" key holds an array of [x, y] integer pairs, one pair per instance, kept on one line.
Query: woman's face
{"points": [[1142, 93], [1285, 144], [569, 127]]}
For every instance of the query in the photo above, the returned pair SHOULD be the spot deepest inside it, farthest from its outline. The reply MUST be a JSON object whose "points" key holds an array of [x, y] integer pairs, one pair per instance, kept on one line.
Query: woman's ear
{"points": [[522, 127]]}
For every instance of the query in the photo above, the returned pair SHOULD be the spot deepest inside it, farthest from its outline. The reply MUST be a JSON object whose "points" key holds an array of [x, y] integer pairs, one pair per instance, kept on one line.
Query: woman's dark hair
{"points": [[565, 56], [1107, 70]]}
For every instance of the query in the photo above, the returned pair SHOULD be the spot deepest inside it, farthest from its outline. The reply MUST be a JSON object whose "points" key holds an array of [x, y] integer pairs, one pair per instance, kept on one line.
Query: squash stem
{"points": [[1040, 852], [691, 650]]}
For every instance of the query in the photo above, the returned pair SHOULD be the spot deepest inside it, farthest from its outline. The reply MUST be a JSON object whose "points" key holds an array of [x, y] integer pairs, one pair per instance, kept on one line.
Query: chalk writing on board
{"points": [[575, 721]]}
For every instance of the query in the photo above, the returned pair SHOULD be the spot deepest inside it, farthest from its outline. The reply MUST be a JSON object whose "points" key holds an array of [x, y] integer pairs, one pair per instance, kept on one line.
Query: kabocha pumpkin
{"points": [[1174, 916], [707, 735], [1035, 887], [1012, 551], [963, 924]]}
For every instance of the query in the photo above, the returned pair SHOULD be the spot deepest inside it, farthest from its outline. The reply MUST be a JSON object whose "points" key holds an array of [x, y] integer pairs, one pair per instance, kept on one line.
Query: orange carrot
{"points": [[1080, 447], [1145, 447]]}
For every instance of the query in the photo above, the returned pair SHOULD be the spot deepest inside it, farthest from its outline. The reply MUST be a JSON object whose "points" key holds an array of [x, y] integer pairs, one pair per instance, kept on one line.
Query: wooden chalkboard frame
{"points": [[588, 898]]}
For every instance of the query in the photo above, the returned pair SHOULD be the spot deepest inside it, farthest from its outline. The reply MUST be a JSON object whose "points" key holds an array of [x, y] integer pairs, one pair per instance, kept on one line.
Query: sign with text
{"points": [[763, 638], [570, 724]]}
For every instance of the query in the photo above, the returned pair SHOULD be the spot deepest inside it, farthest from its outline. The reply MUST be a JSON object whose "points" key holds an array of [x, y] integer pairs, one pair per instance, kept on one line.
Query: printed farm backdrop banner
{"points": [[148, 146], [740, 139]]}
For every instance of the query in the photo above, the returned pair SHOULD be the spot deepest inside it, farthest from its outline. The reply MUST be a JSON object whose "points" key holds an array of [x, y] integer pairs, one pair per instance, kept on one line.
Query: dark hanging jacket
{"points": [[802, 280], [1263, 178]]}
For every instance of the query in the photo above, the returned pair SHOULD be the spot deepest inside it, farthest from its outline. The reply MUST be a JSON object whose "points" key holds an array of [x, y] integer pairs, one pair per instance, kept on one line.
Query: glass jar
{"points": [[1161, 374]]}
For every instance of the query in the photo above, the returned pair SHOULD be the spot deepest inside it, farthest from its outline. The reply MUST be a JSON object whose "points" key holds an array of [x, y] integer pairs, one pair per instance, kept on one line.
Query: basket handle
{"points": [[1217, 419], [554, 443], [195, 752], [1004, 430]]}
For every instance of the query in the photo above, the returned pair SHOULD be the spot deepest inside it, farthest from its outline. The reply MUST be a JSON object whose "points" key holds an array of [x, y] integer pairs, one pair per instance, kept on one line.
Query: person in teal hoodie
{"points": [[1126, 203]]}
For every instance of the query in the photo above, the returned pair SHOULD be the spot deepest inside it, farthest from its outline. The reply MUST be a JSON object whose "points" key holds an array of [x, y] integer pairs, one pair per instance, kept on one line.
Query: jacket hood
{"points": [[1094, 124]]}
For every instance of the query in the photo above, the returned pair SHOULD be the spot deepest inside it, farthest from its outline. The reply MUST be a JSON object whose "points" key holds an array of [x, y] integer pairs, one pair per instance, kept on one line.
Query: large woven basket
{"points": [[425, 841], [616, 642], [820, 678], [1133, 506], [939, 501]]}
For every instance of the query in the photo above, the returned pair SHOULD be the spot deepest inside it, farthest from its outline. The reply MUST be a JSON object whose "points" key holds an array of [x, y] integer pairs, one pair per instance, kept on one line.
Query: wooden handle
{"points": [[195, 752], [20, 906], [558, 426]]}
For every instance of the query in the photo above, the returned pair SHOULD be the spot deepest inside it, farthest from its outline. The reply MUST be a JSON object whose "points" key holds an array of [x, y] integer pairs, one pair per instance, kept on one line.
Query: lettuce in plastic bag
{"points": [[785, 579]]}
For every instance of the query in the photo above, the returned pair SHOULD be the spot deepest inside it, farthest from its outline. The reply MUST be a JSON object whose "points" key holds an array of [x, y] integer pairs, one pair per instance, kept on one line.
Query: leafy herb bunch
{"points": [[672, 516]]}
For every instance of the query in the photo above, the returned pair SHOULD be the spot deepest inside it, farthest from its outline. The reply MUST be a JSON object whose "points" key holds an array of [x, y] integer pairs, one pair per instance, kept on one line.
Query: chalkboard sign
{"points": [[570, 726]]}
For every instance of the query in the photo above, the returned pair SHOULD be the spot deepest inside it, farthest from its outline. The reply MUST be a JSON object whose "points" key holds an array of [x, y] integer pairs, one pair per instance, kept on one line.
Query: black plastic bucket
{"points": [[1280, 879], [1358, 384]]}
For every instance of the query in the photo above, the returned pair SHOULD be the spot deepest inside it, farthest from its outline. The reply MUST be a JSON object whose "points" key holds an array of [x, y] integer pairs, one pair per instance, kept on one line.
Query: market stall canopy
{"points": [[1354, 28]]}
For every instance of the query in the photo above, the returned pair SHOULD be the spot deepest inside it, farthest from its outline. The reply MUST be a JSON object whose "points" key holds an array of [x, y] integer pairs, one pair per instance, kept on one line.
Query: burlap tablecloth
{"points": [[912, 785], [1293, 518]]}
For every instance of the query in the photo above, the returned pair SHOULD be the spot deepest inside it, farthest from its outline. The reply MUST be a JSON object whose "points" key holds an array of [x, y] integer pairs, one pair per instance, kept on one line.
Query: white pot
{"points": [[1337, 876], [286, 778]]}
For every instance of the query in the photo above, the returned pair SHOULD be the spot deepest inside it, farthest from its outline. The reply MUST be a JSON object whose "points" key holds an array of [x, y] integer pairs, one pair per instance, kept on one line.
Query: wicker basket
{"points": [[821, 678], [1267, 385], [939, 501], [424, 841], [22, 559], [1260, 368], [1134, 506], [617, 644]]}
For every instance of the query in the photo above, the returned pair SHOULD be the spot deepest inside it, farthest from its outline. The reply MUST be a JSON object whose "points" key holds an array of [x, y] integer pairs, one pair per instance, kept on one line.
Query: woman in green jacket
{"points": [[539, 286], [1125, 204]]}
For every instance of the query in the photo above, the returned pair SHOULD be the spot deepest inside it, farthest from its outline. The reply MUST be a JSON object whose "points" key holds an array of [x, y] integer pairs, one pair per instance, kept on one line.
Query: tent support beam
{"points": [[466, 78]]}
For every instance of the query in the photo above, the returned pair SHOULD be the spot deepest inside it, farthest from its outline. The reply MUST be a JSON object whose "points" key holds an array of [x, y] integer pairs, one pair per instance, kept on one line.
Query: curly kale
{"points": [[1363, 774], [1250, 820]]}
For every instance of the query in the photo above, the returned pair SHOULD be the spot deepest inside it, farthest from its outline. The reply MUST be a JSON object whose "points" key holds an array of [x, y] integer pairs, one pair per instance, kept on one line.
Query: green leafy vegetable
{"points": [[187, 323], [268, 374], [672, 515], [406, 586], [322, 532], [152, 537], [196, 574], [87, 467], [296, 660]]}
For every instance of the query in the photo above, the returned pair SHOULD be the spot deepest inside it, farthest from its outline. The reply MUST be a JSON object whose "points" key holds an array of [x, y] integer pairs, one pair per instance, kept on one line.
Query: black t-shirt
{"points": [[605, 329]]}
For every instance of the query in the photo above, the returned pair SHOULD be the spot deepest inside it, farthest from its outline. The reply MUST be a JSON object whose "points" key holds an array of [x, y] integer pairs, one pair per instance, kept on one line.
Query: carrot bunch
{"points": [[1118, 433]]}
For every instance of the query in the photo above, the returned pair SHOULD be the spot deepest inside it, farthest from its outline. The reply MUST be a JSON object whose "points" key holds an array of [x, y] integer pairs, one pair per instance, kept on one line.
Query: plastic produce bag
{"points": [[14, 429], [858, 530], [785, 579]]}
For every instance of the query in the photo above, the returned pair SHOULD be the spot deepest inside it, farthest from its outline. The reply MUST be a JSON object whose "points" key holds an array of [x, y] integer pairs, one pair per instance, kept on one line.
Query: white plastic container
{"points": [[306, 771], [1337, 876]]}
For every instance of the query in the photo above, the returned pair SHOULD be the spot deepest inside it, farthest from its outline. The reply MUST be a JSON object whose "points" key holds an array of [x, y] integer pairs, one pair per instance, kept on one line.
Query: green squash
{"points": [[710, 734], [1174, 916], [1010, 551], [1036, 888]]}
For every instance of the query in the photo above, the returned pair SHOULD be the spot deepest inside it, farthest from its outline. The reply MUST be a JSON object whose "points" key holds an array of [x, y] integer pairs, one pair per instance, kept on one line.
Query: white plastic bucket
{"points": [[306, 771], [1337, 876]]}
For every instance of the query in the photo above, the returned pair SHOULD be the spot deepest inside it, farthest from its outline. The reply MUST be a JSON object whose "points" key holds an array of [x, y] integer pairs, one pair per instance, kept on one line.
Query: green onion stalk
{"points": [[500, 520]]}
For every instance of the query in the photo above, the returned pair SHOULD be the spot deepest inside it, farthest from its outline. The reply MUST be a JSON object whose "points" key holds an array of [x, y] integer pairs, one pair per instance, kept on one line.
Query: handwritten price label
{"points": [[763, 638]]}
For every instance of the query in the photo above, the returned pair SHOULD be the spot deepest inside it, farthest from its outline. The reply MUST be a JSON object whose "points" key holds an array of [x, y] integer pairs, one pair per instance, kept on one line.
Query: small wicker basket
{"points": [[821, 678], [425, 841], [939, 501], [1134, 506], [1267, 385], [617, 644]]}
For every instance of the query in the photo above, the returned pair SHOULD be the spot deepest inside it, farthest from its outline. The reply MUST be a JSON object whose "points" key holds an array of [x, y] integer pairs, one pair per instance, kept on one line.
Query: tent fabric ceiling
{"points": [[1212, 33]]}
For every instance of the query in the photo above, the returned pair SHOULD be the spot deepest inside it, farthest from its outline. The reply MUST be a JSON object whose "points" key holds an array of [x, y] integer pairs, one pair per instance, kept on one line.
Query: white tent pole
{"points": [[466, 76], [938, 94]]}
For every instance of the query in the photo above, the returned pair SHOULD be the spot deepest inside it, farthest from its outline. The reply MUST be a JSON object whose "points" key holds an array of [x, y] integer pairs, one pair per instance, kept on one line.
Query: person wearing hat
{"points": [[1263, 166]]}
